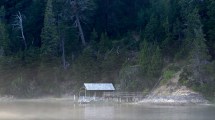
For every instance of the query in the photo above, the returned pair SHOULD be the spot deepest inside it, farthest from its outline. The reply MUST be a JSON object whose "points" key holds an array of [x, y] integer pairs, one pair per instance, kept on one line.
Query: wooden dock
{"points": [[124, 96]]}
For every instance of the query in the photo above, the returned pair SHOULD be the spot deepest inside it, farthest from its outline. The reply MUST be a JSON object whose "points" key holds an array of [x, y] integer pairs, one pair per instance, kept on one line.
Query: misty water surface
{"points": [[67, 110]]}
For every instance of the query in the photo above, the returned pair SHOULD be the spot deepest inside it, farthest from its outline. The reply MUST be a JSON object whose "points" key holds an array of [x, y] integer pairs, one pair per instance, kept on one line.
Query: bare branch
{"points": [[18, 24]]}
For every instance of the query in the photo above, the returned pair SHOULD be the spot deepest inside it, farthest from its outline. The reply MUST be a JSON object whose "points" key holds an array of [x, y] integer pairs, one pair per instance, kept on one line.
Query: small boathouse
{"points": [[97, 89]]}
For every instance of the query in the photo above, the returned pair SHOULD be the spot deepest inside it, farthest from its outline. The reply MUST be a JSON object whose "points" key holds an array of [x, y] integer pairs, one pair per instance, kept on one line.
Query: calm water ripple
{"points": [[67, 110]]}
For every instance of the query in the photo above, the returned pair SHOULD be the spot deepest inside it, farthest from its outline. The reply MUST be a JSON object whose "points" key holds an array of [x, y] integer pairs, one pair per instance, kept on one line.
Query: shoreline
{"points": [[192, 99], [152, 100]]}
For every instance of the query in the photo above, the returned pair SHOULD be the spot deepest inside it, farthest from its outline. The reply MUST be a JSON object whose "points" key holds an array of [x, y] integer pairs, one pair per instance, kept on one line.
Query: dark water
{"points": [[67, 110]]}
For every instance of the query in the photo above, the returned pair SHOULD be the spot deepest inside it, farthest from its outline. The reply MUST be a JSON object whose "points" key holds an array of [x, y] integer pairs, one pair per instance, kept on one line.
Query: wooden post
{"points": [[85, 93], [94, 96]]}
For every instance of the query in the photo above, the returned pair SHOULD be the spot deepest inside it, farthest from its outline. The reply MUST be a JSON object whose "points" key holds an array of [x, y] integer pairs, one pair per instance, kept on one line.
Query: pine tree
{"points": [[144, 57], [209, 27], [185, 8], [93, 40], [151, 28], [171, 25], [2, 13], [156, 63], [105, 43], [4, 37], [79, 10], [199, 53], [49, 36], [193, 45], [151, 60]]}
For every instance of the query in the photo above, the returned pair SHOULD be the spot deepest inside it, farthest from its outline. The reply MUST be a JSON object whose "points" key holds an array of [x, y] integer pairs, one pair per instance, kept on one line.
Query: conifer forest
{"points": [[52, 47]]}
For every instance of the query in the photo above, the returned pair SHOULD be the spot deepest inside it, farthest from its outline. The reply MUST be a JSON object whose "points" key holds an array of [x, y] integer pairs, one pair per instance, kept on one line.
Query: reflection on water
{"points": [[67, 110], [92, 113]]}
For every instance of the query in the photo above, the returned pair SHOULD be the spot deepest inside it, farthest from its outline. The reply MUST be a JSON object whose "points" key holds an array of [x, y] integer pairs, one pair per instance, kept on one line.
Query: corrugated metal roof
{"points": [[99, 86]]}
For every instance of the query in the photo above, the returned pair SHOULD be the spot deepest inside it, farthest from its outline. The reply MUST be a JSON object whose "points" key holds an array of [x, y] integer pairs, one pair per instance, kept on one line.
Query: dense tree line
{"points": [[53, 46]]}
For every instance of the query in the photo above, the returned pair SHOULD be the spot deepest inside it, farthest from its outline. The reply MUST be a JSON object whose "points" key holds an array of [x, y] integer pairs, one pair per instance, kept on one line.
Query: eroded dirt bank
{"points": [[173, 93]]}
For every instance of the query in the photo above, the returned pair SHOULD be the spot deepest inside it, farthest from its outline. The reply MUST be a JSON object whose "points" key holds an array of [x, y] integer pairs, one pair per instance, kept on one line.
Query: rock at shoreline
{"points": [[6, 98], [175, 99]]}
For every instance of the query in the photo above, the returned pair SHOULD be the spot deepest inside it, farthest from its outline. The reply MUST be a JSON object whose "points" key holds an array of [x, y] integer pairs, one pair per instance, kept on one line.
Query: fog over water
{"points": [[67, 110]]}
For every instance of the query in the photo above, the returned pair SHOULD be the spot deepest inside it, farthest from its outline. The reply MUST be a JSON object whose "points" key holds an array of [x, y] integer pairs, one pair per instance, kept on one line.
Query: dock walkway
{"points": [[124, 96]]}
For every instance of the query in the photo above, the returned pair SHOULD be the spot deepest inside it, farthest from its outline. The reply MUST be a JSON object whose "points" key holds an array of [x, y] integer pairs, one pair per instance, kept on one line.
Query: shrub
{"points": [[167, 75]]}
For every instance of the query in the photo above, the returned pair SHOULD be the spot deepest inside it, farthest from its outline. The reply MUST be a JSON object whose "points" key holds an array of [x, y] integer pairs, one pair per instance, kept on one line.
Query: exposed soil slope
{"points": [[173, 93]]}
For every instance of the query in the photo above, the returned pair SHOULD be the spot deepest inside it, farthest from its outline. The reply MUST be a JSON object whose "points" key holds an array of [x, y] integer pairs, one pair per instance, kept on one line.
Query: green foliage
{"points": [[144, 56], [4, 37], [156, 63], [48, 79], [19, 87], [196, 75], [206, 85], [2, 13], [142, 16], [49, 34], [150, 60], [199, 53], [34, 18], [86, 68], [130, 78], [167, 75], [206, 89], [209, 25], [94, 39], [4, 40], [152, 29], [105, 43], [110, 66], [129, 43], [145, 75]]}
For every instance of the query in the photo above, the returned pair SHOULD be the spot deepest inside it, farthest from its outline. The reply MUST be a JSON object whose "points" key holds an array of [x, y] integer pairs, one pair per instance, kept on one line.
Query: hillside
{"points": [[173, 93], [52, 47]]}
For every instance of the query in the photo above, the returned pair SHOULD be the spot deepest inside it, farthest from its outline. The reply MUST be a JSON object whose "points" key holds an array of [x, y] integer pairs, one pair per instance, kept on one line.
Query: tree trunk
{"points": [[80, 30], [63, 54], [23, 37], [21, 28]]}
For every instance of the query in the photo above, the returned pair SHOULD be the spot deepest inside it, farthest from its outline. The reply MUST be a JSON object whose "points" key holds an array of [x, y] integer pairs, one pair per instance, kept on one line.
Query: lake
{"points": [[50, 109]]}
